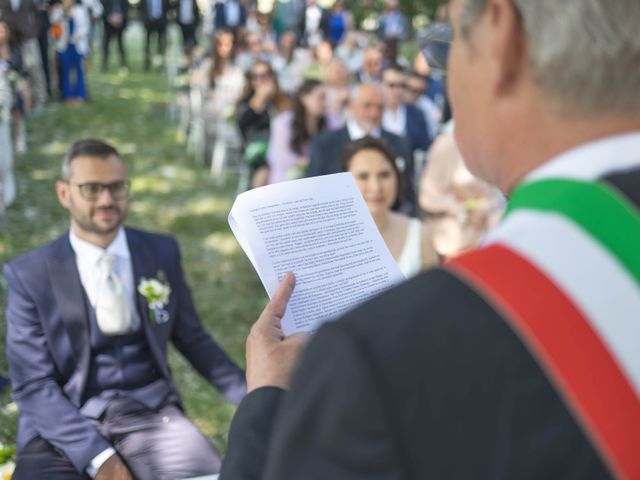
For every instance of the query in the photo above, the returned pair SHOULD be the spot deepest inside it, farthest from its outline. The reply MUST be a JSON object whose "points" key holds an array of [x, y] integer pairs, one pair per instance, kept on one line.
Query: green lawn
{"points": [[170, 194]]}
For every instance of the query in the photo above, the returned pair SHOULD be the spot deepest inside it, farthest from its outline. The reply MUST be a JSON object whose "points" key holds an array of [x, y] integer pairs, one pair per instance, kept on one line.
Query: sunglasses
{"points": [[92, 190]]}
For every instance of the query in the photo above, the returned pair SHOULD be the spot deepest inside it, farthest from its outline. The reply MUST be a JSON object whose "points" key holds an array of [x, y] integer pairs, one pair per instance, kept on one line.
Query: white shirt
{"points": [[356, 132], [15, 5], [87, 256], [186, 12], [232, 13], [395, 121], [313, 15]]}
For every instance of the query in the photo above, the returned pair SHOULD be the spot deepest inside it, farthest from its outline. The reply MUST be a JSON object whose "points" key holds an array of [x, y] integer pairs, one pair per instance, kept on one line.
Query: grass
{"points": [[170, 194]]}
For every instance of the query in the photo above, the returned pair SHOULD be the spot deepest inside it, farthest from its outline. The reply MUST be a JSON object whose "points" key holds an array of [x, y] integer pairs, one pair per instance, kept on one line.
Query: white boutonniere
{"points": [[157, 292]]}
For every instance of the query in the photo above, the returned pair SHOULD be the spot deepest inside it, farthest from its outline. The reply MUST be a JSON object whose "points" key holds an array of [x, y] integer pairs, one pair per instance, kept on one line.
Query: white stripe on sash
{"points": [[596, 282]]}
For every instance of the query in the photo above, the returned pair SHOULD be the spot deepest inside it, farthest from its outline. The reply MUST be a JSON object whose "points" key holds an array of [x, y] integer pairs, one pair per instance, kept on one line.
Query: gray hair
{"points": [[585, 54], [89, 147]]}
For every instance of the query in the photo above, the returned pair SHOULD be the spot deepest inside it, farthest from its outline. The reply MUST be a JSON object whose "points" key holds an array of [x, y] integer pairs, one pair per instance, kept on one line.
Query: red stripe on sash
{"points": [[563, 341]]}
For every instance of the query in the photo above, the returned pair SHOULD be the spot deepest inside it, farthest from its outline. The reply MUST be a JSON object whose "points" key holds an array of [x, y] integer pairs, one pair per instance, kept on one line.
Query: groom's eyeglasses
{"points": [[92, 190]]}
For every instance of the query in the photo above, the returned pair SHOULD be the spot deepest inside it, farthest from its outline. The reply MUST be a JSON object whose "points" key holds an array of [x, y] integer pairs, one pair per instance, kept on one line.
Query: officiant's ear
{"points": [[62, 190]]}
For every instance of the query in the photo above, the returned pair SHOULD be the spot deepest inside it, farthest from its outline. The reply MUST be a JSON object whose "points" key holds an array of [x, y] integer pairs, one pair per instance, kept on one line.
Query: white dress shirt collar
{"points": [[593, 160], [356, 132], [395, 121], [87, 256]]}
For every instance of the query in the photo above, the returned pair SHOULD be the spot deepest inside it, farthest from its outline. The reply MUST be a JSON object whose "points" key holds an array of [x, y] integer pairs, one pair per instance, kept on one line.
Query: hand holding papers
{"points": [[320, 229]]}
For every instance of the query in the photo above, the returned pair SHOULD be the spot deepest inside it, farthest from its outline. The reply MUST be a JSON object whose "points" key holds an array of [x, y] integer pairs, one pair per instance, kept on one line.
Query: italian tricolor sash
{"points": [[564, 269]]}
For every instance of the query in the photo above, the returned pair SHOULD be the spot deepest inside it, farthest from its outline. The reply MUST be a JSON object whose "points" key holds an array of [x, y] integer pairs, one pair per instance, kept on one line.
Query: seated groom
{"points": [[87, 343]]}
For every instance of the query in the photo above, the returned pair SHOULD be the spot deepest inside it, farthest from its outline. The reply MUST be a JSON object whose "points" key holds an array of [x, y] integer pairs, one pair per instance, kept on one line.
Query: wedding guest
{"points": [[292, 131], [338, 85], [371, 65], [188, 18], [393, 24], [230, 15], [414, 94], [7, 180], [220, 83], [72, 46], [339, 24], [90, 316], [290, 62], [114, 21], [261, 102], [154, 18], [399, 117], [351, 51], [380, 182], [322, 56], [252, 52], [23, 18], [314, 24]]}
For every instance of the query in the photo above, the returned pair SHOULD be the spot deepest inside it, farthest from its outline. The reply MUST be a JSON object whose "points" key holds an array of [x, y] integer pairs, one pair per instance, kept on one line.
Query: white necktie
{"points": [[112, 309]]}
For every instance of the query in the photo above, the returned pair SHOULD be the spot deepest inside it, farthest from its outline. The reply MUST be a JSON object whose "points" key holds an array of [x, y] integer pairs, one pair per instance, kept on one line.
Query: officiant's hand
{"points": [[271, 357], [113, 469]]}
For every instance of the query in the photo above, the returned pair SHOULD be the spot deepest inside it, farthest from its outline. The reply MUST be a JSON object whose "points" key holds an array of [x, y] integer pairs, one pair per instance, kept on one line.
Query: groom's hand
{"points": [[270, 356], [113, 469]]}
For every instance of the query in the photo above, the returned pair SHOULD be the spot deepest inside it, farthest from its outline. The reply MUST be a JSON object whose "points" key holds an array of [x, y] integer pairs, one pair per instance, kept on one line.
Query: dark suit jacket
{"points": [[417, 130], [426, 381], [194, 10], [112, 6], [374, 399], [48, 344], [145, 11], [326, 150], [24, 22]]}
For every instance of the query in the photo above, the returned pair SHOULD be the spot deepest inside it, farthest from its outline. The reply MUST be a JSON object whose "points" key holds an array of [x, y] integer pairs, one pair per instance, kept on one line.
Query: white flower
{"points": [[156, 292]]}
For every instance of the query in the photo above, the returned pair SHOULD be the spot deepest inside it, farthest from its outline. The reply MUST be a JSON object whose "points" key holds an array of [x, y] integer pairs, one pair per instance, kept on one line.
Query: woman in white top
{"points": [[373, 167]]}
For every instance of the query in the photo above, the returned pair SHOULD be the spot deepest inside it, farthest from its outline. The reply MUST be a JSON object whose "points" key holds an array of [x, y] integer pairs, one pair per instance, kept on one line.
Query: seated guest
{"points": [[291, 132], [290, 62], [261, 102], [90, 316], [338, 84], [371, 65], [414, 94], [400, 118], [380, 182], [219, 83], [72, 45], [364, 117]]}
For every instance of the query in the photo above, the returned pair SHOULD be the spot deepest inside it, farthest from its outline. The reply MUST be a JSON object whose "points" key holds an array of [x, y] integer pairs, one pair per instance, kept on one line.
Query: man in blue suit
{"points": [[87, 341]]}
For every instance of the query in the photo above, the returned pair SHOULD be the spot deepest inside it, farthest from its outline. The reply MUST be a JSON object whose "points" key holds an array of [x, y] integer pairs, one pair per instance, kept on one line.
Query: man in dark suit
{"points": [[153, 14], [115, 15], [89, 319], [399, 117], [365, 117], [517, 360], [231, 15], [188, 18]]}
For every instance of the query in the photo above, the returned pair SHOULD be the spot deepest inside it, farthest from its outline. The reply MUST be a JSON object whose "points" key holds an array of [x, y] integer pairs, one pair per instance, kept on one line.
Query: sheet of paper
{"points": [[319, 228]]}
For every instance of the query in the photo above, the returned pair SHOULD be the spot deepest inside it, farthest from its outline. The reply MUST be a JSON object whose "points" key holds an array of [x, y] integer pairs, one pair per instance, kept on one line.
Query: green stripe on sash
{"points": [[597, 208]]}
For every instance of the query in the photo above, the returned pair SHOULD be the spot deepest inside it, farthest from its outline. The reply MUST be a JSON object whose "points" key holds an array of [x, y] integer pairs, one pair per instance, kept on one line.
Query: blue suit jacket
{"points": [[48, 345], [417, 130]]}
